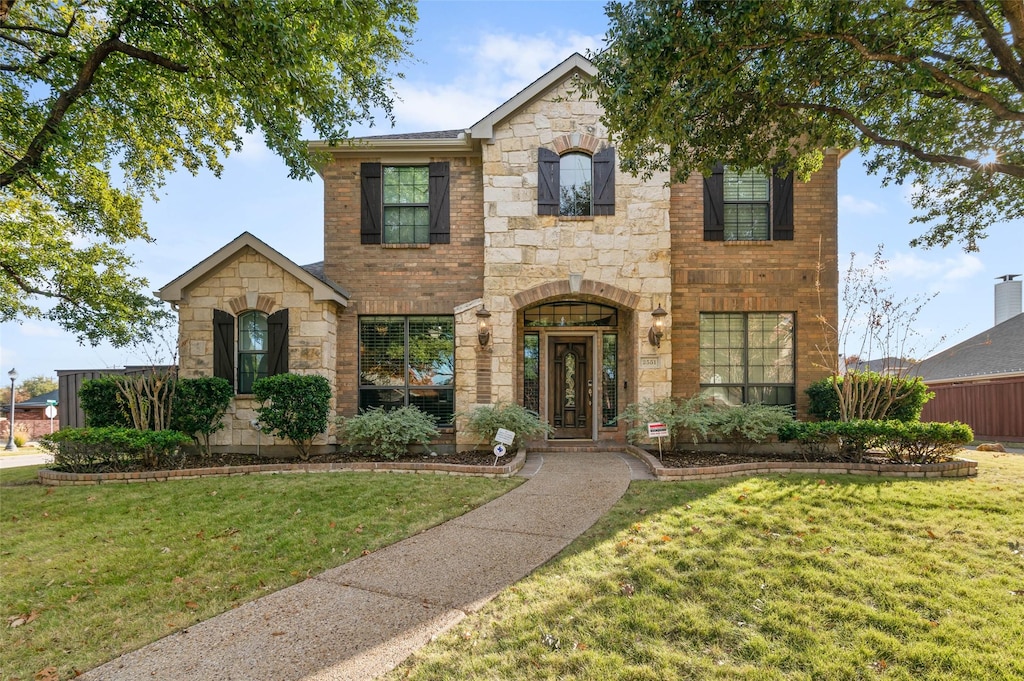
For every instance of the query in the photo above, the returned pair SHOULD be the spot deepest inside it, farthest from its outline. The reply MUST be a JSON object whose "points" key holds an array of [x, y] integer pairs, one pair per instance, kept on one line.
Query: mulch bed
{"points": [[479, 457], [696, 459], [193, 459]]}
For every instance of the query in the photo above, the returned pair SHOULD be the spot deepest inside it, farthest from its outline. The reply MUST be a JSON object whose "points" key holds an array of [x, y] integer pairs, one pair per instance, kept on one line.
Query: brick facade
{"points": [[799, 276], [503, 254]]}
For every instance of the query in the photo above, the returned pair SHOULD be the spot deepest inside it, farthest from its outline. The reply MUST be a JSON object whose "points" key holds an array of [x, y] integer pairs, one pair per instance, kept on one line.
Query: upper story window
{"points": [[404, 204], [747, 206], [746, 200], [249, 347], [576, 184]]}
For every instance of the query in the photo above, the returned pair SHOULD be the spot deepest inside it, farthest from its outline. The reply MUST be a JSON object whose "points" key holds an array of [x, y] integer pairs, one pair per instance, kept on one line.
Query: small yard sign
{"points": [[505, 436], [657, 430], [499, 451]]}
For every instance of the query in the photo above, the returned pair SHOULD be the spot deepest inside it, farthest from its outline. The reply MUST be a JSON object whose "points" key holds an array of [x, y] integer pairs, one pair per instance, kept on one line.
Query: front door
{"points": [[571, 386]]}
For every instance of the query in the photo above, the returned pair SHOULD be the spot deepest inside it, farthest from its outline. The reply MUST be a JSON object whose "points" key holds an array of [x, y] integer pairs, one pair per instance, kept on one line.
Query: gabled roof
{"points": [[998, 351], [576, 63], [459, 141], [323, 288]]}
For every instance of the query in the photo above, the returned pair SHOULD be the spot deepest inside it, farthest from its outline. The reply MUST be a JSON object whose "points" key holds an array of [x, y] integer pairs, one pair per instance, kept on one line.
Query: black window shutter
{"points": [[277, 343], [370, 201], [224, 346], [547, 182], [440, 219], [604, 182], [714, 205], [782, 207]]}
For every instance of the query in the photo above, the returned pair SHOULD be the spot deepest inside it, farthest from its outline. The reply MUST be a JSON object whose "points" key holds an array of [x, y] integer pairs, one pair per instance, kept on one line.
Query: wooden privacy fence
{"points": [[994, 409], [69, 381]]}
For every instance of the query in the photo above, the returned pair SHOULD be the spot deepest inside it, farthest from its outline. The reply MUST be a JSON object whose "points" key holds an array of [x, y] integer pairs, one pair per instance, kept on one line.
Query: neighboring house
{"points": [[514, 261], [886, 365], [980, 381], [30, 417]]}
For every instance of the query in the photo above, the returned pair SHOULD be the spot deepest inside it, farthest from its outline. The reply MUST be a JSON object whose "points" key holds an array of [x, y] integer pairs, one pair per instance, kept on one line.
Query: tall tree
{"points": [[101, 99], [37, 385], [932, 91]]}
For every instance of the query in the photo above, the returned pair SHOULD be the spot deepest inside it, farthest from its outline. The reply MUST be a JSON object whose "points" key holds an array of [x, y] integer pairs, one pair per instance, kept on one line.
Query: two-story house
{"points": [[514, 261]]}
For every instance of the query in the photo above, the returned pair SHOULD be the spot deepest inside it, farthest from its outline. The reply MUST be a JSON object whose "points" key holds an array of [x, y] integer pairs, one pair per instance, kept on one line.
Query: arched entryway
{"points": [[574, 352]]}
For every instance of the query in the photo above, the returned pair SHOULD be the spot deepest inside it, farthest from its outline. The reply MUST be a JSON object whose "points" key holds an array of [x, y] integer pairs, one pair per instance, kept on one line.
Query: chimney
{"points": [[1008, 299]]}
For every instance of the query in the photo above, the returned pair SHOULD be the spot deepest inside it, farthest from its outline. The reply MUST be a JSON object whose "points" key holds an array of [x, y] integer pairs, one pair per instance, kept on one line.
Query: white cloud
{"points": [[491, 70], [946, 274], [851, 204], [41, 330]]}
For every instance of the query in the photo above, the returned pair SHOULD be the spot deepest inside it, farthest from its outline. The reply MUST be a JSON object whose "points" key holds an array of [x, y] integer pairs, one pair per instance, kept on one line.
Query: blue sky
{"points": [[470, 57]]}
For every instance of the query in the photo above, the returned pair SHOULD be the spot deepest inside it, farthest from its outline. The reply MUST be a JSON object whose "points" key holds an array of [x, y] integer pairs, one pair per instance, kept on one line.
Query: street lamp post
{"points": [[11, 447]]}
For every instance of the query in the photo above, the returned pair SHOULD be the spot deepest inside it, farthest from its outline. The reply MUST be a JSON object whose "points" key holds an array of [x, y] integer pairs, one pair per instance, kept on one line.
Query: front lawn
{"points": [[776, 577], [92, 572]]}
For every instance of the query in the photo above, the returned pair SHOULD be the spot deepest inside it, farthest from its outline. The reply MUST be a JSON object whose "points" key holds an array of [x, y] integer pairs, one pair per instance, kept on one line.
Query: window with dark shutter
{"points": [[440, 220], [547, 182], [714, 208], [604, 182], [224, 345], [370, 203], [747, 206]]}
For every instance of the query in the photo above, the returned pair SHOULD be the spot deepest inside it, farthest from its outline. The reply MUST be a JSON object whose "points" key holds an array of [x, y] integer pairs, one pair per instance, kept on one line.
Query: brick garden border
{"points": [[59, 478], [958, 468]]}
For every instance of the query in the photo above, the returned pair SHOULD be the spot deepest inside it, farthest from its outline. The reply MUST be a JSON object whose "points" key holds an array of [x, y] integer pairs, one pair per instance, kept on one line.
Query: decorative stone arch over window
{"points": [[251, 301], [549, 185], [597, 289]]}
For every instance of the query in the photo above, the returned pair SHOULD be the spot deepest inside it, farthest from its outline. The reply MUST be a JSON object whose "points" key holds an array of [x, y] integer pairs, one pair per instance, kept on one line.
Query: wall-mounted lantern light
{"points": [[483, 326], [657, 329]]}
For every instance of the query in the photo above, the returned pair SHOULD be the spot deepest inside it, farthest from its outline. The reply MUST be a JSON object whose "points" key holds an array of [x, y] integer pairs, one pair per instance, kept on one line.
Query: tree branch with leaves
{"points": [[931, 91], [103, 99]]}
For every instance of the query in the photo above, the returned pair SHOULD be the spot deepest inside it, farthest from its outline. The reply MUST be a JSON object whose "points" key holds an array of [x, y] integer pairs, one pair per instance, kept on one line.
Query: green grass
{"points": [[780, 577], [101, 570]]}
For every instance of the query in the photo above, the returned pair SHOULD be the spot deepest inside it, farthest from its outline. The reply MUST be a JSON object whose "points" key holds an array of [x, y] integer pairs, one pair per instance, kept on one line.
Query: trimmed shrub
{"points": [[746, 424], [902, 442], [81, 450], [684, 418], [698, 420], [100, 399], [293, 407], [911, 396], [484, 422], [199, 406], [387, 433], [925, 442]]}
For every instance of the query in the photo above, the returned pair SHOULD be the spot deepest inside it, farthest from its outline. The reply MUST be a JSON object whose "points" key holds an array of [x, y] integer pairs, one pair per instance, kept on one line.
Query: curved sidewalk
{"points": [[363, 618]]}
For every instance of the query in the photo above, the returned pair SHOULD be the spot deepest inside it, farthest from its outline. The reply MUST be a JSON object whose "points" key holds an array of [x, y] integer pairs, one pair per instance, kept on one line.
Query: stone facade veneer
{"points": [[250, 281]]}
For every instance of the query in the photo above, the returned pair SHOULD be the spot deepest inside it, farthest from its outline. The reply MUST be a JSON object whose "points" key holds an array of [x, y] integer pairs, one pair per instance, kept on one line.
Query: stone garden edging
{"points": [[958, 468], [59, 478]]}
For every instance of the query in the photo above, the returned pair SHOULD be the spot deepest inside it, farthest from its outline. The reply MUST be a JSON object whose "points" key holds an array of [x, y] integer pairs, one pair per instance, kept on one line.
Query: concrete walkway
{"points": [[362, 619]]}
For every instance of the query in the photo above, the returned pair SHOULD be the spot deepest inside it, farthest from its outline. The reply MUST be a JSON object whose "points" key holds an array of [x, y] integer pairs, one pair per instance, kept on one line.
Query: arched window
{"points": [[249, 347], [576, 184], [253, 347]]}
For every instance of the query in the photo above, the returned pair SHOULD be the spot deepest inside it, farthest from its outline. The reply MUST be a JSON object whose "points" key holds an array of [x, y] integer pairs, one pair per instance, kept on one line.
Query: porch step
{"points": [[576, 446]]}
